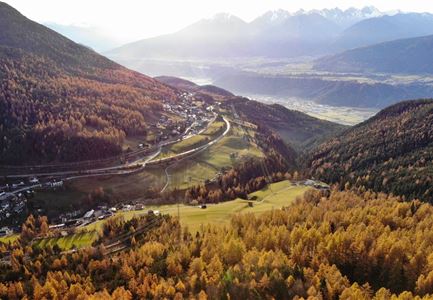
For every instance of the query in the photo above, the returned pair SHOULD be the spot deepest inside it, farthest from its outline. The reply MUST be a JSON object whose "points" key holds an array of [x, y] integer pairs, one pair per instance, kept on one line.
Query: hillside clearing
{"points": [[274, 196]]}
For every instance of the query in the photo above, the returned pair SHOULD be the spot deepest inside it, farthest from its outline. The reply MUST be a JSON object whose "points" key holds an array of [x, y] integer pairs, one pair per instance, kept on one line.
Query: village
{"points": [[194, 117]]}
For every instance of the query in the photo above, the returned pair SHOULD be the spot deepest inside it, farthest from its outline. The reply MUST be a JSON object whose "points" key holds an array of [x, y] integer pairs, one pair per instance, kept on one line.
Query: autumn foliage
{"points": [[391, 152], [349, 245], [60, 101]]}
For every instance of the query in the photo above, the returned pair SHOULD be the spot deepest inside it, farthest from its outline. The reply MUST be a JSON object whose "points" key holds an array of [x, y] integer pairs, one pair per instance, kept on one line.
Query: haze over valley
{"points": [[290, 55]]}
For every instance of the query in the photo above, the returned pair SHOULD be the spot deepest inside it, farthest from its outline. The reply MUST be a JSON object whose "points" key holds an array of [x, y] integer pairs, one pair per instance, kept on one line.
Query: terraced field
{"points": [[78, 240], [9, 239]]}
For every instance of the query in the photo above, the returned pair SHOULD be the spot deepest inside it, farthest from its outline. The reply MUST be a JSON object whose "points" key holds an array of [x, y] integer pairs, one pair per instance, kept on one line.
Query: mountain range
{"points": [[279, 34], [101, 41], [385, 28]]}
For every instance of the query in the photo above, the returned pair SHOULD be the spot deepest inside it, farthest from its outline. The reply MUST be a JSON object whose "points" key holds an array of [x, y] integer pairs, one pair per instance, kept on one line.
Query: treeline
{"points": [[392, 152], [350, 245]]}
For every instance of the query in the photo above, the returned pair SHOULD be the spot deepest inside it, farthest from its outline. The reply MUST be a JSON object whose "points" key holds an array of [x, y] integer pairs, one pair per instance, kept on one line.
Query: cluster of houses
{"points": [[13, 204], [79, 218], [14, 198], [316, 184], [195, 113], [4, 231]]}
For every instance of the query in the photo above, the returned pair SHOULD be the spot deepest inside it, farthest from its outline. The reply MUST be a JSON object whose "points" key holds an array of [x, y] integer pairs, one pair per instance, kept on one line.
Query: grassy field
{"points": [[117, 188], [120, 187], [274, 196], [78, 240], [215, 128], [55, 202], [9, 239]]}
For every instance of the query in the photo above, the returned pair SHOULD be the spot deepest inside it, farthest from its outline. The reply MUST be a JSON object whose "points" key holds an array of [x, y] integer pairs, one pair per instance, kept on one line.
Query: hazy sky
{"points": [[130, 20]]}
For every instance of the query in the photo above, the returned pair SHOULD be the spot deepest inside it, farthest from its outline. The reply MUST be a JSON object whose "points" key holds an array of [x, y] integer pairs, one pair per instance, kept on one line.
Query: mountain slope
{"points": [[61, 101], [401, 56], [385, 28], [223, 35], [297, 129], [391, 152]]}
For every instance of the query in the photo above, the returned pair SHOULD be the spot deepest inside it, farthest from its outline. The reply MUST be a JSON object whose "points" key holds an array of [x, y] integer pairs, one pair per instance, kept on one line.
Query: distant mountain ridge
{"points": [[182, 84], [385, 28], [350, 16], [274, 34], [412, 56]]}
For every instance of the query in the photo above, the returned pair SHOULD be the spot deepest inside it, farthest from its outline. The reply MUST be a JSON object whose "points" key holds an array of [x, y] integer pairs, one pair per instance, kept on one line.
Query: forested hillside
{"points": [[346, 246], [60, 101], [391, 152]]}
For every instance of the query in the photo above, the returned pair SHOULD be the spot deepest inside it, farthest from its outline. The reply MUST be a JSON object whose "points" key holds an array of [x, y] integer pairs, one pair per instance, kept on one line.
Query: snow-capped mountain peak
{"points": [[272, 17], [349, 16]]}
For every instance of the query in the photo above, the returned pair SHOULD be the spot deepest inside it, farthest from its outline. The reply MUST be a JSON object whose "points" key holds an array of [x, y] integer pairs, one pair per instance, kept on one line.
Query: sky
{"points": [[130, 20]]}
